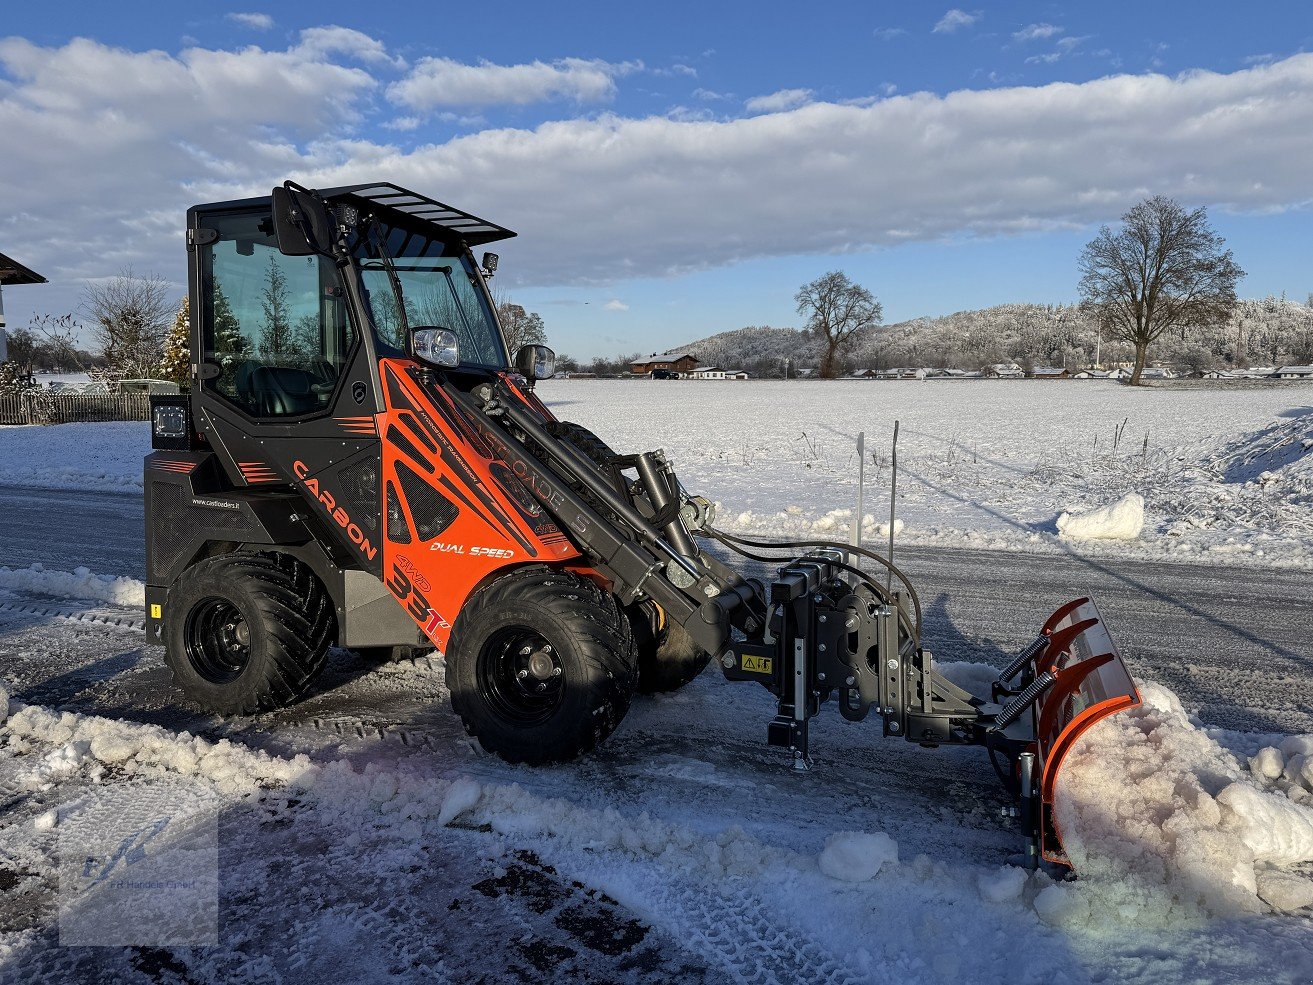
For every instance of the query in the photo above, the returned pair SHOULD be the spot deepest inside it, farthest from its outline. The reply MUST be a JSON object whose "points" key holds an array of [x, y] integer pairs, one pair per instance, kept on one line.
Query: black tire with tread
{"points": [[667, 656], [291, 621], [591, 636]]}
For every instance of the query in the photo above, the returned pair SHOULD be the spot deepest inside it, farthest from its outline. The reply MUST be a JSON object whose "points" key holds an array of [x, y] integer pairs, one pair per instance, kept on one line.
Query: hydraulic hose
{"points": [[733, 542]]}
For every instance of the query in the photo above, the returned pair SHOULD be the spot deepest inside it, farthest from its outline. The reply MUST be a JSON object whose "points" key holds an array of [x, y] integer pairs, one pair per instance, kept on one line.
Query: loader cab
{"points": [[279, 329]]}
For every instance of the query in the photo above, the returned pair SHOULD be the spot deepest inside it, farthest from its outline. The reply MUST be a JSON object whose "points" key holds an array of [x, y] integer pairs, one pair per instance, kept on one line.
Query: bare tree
{"points": [[838, 312], [520, 327], [57, 342], [130, 316], [1164, 270]]}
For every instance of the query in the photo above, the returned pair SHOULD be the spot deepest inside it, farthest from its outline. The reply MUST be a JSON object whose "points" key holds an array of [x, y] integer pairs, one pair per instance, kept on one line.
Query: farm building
{"points": [[665, 362]]}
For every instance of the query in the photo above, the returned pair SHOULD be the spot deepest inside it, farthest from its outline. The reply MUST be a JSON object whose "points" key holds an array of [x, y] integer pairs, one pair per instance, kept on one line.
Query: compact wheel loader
{"points": [[361, 463]]}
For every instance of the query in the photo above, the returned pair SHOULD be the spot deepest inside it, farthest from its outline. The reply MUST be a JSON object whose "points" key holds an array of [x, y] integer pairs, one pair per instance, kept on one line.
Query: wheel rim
{"points": [[218, 640], [520, 676]]}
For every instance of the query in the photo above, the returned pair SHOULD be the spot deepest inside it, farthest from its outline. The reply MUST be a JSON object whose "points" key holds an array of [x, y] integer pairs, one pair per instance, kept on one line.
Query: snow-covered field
{"points": [[1223, 472]]}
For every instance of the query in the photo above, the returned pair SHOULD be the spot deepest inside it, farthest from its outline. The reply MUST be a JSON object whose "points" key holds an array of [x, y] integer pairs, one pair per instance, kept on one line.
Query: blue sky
{"points": [[674, 169]]}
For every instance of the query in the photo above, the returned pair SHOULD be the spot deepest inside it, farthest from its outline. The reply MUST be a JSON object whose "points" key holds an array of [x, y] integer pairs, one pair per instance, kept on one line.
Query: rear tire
{"points": [[246, 633], [667, 656], [541, 666]]}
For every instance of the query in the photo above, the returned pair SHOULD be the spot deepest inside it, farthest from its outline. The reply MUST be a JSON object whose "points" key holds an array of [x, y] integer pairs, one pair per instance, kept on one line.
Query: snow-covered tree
{"points": [[176, 364], [14, 379]]}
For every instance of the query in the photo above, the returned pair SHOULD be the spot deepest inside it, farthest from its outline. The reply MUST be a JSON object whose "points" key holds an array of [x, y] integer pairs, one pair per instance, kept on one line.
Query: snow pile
{"points": [[4, 702], [853, 856], [1288, 767], [1279, 455], [1123, 520], [80, 583], [1165, 826], [78, 741], [1002, 885]]}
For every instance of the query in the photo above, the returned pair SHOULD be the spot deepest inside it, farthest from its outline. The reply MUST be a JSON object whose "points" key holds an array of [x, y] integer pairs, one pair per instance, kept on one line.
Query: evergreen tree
{"points": [[176, 364], [275, 333], [14, 379]]}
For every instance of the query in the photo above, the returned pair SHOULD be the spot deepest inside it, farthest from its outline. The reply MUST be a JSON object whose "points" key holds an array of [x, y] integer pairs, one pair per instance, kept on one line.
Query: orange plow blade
{"points": [[1091, 683]]}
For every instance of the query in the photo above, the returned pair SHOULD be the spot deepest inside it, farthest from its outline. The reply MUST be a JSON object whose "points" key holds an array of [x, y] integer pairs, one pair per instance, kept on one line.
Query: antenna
{"points": [[893, 508], [856, 539]]}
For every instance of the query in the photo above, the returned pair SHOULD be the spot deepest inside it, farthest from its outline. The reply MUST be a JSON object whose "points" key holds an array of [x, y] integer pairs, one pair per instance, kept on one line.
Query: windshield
{"points": [[437, 292]]}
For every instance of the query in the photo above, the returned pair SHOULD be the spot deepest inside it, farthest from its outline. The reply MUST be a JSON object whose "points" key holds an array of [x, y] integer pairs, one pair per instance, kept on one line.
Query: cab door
{"points": [[287, 390]]}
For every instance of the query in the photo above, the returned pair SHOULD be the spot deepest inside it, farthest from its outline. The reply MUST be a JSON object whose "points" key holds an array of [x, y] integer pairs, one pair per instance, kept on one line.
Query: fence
{"points": [[53, 408]]}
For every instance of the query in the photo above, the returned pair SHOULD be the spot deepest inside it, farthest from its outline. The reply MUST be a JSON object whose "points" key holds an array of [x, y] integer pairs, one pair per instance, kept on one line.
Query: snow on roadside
{"points": [[104, 456], [1166, 827], [80, 583]]}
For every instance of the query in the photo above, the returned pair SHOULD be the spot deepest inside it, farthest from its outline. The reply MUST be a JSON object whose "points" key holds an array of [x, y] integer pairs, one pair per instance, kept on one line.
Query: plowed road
{"points": [[1237, 643]]}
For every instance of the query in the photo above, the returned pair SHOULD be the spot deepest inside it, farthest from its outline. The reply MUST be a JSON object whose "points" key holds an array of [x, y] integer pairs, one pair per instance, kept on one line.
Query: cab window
{"points": [[275, 326]]}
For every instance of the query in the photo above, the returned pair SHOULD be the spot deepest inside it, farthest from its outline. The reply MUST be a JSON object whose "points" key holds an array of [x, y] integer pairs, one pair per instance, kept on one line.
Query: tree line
{"points": [[138, 329]]}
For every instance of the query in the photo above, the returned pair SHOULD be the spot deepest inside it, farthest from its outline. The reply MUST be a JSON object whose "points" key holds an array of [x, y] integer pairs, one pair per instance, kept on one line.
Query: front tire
{"points": [[541, 666], [667, 656], [246, 633]]}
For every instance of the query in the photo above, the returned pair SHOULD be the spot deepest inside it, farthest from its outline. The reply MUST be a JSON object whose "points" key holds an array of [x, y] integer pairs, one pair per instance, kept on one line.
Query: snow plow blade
{"points": [[1089, 682]]}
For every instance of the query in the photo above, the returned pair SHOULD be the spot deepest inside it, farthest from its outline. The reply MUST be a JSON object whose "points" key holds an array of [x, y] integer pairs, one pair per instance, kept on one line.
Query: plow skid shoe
{"points": [[1090, 683]]}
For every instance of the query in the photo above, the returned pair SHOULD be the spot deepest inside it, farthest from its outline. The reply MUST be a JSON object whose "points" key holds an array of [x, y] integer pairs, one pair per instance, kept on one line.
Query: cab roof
{"points": [[385, 196]]}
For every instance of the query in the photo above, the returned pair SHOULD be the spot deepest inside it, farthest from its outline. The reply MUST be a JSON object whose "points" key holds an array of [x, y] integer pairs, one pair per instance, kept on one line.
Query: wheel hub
{"points": [[217, 640], [520, 675]]}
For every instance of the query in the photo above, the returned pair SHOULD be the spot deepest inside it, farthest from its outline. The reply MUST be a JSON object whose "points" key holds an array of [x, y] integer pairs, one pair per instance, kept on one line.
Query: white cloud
{"points": [[1036, 32], [777, 102], [955, 20], [105, 149], [256, 22], [1045, 59], [679, 68], [615, 304], [889, 33], [710, 95], [445, 82], [318, 42]]}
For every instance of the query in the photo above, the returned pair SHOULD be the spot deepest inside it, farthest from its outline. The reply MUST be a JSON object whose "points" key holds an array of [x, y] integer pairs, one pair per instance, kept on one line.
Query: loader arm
{"points": [[822, 629]]}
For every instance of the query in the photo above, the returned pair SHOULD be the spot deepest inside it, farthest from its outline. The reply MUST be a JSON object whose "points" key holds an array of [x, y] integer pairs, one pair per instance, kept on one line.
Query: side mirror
{"points": [[535, 362], [436, 346], [303, 225]]}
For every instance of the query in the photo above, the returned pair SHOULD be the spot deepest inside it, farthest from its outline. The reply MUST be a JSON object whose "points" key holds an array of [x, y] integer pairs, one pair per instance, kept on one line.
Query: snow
{"points": [[856, 856], [987, 464], [1165, 826], [981, 464], [1122, 520], [105, 457], [80, 583], [46, 821], [1002, 885]]}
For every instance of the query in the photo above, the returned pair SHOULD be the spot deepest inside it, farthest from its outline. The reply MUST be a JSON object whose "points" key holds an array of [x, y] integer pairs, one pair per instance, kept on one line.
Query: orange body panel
{"points": [[454, 515]]}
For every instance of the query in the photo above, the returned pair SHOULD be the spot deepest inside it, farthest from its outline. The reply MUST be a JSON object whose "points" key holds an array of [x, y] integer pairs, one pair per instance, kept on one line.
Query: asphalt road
{"points": [[1235, 642]]}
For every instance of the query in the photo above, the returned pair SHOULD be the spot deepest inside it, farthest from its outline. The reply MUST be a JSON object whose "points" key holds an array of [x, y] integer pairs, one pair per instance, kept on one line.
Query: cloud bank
{"points": [[105, 148]]}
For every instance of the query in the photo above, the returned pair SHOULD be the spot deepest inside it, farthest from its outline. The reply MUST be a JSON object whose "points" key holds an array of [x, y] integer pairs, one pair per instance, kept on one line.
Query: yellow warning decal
{"points": [[757, 665], [156, 610]]}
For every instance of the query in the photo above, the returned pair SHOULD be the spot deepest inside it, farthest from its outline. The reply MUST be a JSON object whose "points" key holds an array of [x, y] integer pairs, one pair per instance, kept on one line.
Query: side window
{"points": [[276, 326]]}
